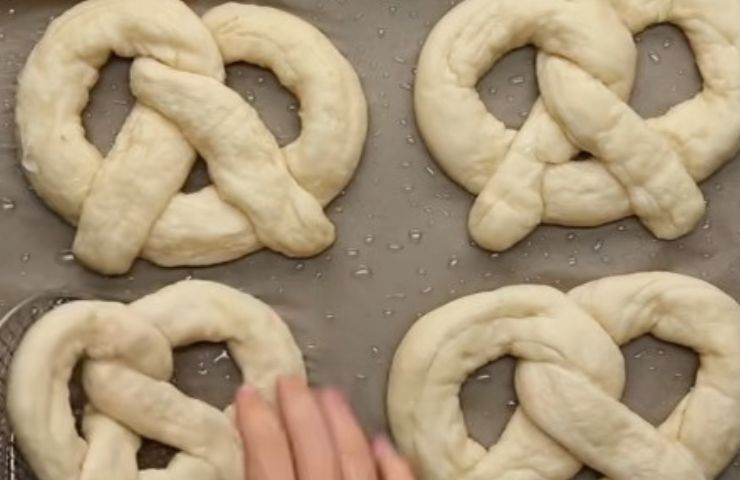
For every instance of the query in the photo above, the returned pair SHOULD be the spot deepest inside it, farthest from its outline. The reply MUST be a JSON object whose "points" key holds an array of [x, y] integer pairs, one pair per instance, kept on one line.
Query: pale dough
{"points": [[129, 204], [585, 69], [127, 354], [568, 379]]}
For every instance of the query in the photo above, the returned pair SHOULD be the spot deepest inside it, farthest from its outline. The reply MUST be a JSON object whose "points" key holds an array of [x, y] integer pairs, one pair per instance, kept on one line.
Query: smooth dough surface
{"points": [[129, 204], [126, 352], [568, 380], [586, 68]]}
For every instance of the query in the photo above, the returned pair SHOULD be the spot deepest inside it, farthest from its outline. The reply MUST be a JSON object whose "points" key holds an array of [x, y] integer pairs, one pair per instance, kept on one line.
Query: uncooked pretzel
{"points": [[129, 204], [127, 352], [568, 379], [585, 69]]}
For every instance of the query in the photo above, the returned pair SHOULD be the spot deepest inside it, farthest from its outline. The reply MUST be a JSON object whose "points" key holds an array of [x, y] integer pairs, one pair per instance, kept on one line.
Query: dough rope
{"points": [[586, 69], [568, 380], [128, 363], [129, 204]]}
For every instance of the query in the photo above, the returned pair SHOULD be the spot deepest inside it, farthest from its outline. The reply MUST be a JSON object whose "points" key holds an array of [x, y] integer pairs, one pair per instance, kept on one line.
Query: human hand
{"points": [[312, 436]]}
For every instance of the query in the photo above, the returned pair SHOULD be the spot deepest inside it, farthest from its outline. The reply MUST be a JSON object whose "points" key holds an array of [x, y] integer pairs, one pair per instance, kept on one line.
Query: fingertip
{"points": [[248, 402], [382, 447], [292, 383], [334, 400], [266, 446], [244, 396], [290, 389], [307, 429], [390, 462], [245, 391]]}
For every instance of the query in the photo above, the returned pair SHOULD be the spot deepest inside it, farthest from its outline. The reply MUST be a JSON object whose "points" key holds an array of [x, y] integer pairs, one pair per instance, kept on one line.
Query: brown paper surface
{"points": [[401, 219]]}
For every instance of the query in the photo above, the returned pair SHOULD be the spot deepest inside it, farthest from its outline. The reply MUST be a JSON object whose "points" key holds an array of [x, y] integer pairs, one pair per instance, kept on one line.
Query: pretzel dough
{"points": [[128, 204], [128, 365], [585, 70], [568, 380]]}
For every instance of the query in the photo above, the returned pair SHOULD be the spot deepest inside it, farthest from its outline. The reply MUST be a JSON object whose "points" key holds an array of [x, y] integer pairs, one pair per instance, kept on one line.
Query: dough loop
{"points": [[586, 69], [128, 363], [569, 378], [129, 204]]}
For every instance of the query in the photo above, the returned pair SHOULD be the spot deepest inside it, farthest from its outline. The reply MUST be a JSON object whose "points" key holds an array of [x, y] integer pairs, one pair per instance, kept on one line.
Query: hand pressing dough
{"points": [[569, 378], [585, 69], [129, 204], [127, 354]]}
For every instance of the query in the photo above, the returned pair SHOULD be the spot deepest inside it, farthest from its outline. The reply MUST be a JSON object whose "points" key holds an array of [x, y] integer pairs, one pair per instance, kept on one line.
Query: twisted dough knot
{"points": [[568, 380], [586, 69], [128, 364], [129, 203]]}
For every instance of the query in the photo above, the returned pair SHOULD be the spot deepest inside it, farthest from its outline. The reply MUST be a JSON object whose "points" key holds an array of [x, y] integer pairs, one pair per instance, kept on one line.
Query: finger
{"points": [[392, 466], [308, 434], [266, 448], [355, 458]]}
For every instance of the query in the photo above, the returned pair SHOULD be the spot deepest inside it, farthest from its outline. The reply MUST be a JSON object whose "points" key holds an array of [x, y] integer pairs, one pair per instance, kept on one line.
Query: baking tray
{"points": [[349, 307]]}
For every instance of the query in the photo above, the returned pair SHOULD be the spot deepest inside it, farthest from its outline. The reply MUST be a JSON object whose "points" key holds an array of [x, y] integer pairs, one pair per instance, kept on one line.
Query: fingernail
{"points": [[382, 447], [292, 381], [337, 399], [245, 391], [245, 397], [290, 386]]}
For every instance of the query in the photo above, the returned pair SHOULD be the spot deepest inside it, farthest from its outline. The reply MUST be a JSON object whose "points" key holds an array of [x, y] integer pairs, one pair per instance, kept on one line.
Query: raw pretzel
{"points": [[568, 380], [585, 68], [129, 204], [127, 352]]}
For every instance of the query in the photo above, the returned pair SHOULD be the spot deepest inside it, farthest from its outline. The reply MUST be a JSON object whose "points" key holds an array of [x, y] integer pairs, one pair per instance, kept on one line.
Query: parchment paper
{"points": [[403, 248]]}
